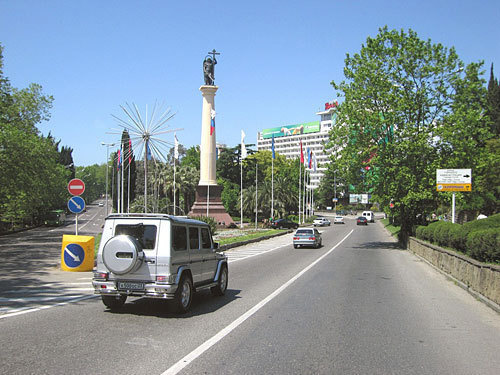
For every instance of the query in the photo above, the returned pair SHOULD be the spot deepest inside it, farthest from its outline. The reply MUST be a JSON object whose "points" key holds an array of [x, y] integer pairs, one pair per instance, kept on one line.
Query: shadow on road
{"points": [[203, 303], [380, 245]]}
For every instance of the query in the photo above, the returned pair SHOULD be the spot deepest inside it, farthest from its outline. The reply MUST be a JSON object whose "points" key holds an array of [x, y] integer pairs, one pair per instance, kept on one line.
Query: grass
{"points": [[222, 240], [394, 230]]}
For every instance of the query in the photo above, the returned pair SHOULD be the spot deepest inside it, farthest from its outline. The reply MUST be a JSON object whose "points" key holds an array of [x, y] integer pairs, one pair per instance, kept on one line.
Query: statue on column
{"points": [[208, 68]]}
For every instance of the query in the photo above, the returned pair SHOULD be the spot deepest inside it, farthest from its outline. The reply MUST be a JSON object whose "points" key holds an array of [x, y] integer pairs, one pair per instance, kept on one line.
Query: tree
{"points": [[493, 109], [398, 94], [32, 180]]}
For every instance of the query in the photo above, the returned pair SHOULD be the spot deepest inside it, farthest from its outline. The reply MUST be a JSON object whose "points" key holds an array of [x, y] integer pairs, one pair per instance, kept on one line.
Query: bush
{"points": [[473, 226], [484, 245], [442, 232], [209, 220]]}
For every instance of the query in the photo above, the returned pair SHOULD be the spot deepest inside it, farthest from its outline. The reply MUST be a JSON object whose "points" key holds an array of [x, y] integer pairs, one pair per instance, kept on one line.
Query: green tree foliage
{"points": [[33, 178], [121, 173], [94, 177], [405, 102], [493, 109]]}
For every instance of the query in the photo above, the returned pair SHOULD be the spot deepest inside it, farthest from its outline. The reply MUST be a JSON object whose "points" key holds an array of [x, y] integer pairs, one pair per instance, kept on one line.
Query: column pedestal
{"points": [[215, 207]]}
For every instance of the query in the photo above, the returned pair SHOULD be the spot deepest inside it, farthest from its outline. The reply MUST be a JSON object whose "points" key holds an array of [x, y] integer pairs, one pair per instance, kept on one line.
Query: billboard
{"points": [[359, 198], [304, 128]]}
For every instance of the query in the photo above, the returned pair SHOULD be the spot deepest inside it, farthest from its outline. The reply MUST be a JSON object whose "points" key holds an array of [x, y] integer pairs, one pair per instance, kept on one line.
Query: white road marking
{"points": [[177, 367], [29, 310], [234, 256]]}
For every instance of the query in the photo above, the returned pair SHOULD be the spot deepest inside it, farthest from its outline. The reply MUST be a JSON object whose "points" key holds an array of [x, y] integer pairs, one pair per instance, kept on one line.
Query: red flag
{"points": [[301, 153], [119, 161]]}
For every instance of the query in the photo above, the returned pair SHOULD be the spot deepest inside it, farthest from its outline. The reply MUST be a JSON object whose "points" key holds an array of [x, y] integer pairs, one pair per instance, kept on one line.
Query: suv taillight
{"points": [[101, 276], [312, 238]]}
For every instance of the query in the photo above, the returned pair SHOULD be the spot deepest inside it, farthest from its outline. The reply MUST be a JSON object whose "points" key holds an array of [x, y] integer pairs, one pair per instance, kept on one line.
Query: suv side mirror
{"points": [[216, 245]]}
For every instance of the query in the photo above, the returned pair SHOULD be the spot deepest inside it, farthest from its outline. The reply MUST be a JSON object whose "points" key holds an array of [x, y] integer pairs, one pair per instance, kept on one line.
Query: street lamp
{"points": [[108, 145]]}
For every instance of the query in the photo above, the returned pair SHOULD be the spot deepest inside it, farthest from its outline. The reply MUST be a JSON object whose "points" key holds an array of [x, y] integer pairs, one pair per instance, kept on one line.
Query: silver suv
{"points": [[157, 256]]}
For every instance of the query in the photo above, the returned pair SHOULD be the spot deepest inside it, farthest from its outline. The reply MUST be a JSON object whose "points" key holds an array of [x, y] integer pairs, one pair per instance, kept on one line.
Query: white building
{"points": [[312, 134]]}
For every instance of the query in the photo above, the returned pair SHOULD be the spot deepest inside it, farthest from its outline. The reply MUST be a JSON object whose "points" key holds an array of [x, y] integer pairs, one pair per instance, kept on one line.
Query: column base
{"points": [[216, 209]]}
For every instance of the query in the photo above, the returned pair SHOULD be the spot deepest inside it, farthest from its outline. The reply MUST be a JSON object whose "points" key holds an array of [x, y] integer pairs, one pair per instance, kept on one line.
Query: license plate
{"points": [[130, 285]]}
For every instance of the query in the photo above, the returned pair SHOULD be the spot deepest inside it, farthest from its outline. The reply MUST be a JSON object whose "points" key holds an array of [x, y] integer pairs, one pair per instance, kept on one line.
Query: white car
{"points": [[338, 220], [321, 221]]}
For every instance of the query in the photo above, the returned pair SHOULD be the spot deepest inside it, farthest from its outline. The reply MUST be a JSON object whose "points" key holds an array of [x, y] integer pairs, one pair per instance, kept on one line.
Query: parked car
{"points": [[338, 220], [157, 256], [321, 221], [370, 216], [361, 221], [307, 237], [283, 223]]}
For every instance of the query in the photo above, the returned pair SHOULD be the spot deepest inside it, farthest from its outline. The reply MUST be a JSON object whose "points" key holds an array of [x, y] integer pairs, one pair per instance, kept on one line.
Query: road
{"points": [[357, 305]]}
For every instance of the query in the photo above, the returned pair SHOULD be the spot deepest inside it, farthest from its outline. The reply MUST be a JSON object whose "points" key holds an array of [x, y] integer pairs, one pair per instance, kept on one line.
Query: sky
{"points": [[276, 64]]}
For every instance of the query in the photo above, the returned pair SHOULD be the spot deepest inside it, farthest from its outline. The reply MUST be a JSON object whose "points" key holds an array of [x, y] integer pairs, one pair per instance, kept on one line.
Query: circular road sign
{"points": [[73, 255], [76, 187], [76, 204]]}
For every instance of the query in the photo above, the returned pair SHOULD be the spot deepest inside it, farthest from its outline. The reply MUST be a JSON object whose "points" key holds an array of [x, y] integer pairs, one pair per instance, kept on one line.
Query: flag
{"points": [[310, 159], [272, 148], [308, 154], [176, 147], [216, 153], [119, 160], [148, 151], [243, 148], [212, 122], [301, 153], [315, 163]]}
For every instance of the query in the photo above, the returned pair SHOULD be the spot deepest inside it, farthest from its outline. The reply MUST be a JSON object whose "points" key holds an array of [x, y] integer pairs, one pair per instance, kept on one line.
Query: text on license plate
{"points": [[130, 285]]}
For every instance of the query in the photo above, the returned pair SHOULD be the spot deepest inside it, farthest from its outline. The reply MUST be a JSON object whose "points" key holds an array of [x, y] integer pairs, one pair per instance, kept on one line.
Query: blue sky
{"points": [[277, 57]]}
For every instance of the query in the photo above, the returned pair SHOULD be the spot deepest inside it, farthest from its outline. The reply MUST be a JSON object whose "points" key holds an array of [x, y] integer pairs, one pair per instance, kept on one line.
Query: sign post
{"points": [[453, 180], [76, 204]]}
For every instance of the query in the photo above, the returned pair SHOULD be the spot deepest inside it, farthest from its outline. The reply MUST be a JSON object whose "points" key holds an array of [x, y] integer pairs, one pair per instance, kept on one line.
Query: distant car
{"points": [[101, 204], [283, 223], [338, 220], [307, 237], [321, 221], [361, 221]]}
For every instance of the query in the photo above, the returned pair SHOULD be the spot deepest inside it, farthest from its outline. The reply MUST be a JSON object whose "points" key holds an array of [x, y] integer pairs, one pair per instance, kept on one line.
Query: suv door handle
{"points": [[152, 261]]}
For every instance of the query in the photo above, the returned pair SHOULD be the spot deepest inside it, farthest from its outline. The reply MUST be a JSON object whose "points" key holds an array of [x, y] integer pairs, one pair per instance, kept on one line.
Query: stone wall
{"points": [[479, 277]]}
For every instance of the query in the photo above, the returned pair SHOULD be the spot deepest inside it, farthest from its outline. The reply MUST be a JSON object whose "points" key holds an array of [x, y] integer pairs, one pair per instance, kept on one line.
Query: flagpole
{"points": [[146, 176], [300, 186], [175, 168], [256, 177], [272, 188], [128, 189], [241, 193], [123, 179]]}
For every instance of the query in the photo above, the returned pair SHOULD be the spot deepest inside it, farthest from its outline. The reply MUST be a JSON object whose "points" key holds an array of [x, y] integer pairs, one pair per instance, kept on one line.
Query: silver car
{"points": [[307, 237]]}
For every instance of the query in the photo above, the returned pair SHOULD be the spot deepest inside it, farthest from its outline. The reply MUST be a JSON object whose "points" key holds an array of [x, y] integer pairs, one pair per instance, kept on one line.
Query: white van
{"points": [[370, 216]]}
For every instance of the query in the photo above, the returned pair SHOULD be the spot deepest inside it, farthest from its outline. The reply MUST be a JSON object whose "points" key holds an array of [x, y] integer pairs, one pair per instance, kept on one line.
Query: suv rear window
{"points": [[145, 234], [179, 238]]}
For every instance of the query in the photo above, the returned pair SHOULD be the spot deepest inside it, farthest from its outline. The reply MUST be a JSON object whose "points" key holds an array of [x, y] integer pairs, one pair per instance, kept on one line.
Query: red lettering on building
{"points": [[331, 105]]}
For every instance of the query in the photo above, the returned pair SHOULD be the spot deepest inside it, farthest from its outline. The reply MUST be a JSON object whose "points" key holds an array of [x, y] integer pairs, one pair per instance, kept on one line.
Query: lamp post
{"points": [[108, 145]]}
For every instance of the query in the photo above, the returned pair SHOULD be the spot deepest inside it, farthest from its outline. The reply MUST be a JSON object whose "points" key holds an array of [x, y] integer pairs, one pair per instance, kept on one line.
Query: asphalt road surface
{"points": [[358, 305]]}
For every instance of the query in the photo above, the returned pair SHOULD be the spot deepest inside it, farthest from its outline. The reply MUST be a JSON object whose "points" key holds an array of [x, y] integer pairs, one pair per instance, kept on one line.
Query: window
{"points": [[194, 240], [206, 240], [179, 238], [144, 234]]}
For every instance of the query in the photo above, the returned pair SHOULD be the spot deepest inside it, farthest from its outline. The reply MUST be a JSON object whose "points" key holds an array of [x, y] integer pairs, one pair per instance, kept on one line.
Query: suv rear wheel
{"points": [[184, 294], [114, 302], [221, 287]]}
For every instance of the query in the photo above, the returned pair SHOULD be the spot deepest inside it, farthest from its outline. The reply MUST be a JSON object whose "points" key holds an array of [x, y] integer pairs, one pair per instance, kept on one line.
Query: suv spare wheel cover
{"points": [[122, 254]]}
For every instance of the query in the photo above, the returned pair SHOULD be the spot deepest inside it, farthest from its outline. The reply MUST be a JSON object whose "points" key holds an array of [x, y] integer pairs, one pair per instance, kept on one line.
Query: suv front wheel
{"points": [[184, 294]]}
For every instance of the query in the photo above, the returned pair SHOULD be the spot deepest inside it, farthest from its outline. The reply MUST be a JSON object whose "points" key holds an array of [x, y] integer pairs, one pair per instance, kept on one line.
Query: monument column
{"points": [[208, 145], [208, 194]]}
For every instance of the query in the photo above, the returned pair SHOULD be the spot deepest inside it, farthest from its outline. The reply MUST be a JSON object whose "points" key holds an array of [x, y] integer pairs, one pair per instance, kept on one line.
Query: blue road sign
{"points": [[73, 255], [76, 204]]}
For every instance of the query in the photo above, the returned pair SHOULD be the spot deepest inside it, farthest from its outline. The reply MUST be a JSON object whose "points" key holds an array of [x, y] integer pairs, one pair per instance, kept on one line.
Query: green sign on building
{"points": [[304, 128]]}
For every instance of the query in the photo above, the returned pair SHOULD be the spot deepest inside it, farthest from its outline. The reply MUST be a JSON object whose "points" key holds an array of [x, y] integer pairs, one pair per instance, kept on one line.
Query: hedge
{"points": [[480, 239]]}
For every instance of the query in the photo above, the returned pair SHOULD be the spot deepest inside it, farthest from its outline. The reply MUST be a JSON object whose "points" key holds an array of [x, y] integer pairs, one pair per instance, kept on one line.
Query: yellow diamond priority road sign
{"points": [[453, 180]]}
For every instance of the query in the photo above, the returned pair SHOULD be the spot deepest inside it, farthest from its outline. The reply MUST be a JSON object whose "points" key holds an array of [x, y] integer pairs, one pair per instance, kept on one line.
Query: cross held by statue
{"points": [[213, 53]]}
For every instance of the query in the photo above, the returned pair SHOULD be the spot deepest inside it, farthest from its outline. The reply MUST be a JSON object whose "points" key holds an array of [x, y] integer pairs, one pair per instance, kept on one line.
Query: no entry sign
{"points": [[76, 187]]}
